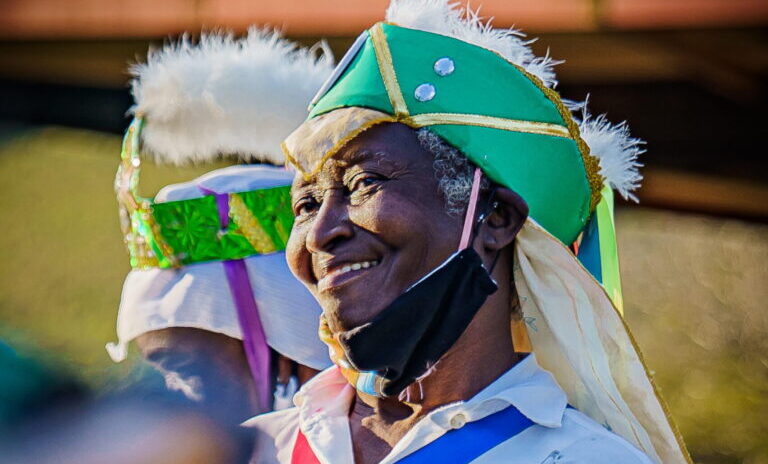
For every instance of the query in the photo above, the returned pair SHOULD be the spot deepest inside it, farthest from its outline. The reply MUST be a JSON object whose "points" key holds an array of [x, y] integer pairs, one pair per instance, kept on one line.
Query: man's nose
{"points": [[331, 225]]}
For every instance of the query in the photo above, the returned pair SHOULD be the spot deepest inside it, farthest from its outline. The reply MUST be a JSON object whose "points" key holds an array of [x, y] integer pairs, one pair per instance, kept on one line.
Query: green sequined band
{"points": [[179, 233]]}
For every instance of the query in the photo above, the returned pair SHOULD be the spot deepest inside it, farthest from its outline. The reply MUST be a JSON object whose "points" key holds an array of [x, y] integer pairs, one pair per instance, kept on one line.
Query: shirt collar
{"points": [[328, 392], [526, 386], [529, 388]]}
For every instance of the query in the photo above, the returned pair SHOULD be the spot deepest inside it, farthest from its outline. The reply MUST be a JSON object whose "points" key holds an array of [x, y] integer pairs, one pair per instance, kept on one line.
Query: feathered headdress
{"points": [[225, 96]]}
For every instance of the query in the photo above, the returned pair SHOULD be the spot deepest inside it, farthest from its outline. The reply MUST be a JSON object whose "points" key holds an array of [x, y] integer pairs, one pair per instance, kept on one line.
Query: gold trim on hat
{"points": [[512, 125], [248, 225], [387, 71]]}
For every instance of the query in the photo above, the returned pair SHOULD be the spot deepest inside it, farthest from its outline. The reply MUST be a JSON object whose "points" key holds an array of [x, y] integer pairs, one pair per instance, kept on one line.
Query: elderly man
{"points": [[442, 191], [210, 294]]}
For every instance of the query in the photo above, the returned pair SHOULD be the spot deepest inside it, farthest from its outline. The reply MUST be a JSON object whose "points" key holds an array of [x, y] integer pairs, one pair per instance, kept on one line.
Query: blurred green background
{"points": [[61, 249]]}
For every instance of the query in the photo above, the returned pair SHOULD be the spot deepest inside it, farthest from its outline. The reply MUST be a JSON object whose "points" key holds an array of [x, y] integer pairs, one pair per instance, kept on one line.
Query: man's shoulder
{"points": [[274, 434], [595, 443]]}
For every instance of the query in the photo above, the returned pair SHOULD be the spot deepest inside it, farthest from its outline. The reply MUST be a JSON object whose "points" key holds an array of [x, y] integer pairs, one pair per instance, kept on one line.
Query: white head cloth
{"points": [[198, 296], [579, 336]]}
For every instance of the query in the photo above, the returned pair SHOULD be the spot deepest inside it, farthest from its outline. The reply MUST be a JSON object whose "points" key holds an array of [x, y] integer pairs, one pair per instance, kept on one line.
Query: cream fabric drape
{"points": [[580, 337]]}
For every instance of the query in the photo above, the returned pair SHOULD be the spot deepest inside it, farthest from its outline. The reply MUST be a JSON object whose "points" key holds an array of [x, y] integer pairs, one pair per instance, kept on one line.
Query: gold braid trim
{"points": [[336, 147], [127, 172], [248, 225], [130, 203], [512, 125], [387, 71], [431, 119]]}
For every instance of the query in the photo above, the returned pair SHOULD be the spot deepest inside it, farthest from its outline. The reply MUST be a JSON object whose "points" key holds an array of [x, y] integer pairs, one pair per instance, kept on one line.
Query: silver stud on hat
{"points": [[444, 66], [424, 92]]}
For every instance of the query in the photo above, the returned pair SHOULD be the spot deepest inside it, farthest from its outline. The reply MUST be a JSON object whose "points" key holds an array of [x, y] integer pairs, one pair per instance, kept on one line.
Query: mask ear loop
{"points": [[469, 219], [467, 235]]}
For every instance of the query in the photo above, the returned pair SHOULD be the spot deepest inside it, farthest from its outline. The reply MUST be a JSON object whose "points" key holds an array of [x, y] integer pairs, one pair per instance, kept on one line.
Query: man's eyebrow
{"points": [[379, 156], [301, 182], [352, 158]]}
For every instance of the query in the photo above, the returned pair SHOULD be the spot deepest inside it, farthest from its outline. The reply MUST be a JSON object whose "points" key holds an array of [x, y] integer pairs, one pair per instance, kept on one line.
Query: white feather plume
{"points": [[616, 149], [225, 96], [449, 18]]}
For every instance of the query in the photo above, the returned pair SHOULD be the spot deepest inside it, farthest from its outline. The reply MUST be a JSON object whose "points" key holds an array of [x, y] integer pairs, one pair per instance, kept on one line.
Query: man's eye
{"points": [[362, 182], [304, 206]]}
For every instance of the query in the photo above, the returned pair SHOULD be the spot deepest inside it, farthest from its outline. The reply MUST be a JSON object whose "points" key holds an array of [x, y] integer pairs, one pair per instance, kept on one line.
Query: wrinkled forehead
{"points": [[334, 169], [320, 138]]}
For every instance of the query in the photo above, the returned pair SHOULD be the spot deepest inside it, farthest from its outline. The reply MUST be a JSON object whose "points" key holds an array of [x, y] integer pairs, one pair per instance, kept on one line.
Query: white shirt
{"points": [[559, 435]]}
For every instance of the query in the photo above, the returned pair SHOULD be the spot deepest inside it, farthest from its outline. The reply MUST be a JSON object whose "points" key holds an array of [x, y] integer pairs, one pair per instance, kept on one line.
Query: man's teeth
{"points": [[357, 266]]}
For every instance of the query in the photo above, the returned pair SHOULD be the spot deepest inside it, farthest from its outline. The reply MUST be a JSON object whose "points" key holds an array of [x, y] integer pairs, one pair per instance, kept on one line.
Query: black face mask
{"points": [[413, 332]]}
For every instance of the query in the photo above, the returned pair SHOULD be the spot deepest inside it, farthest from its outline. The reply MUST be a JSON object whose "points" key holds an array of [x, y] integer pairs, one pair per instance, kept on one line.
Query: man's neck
{"points": [[481, 355]]}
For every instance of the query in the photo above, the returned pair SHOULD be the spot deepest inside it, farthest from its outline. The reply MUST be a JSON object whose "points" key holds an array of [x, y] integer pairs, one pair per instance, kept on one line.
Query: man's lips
{"points": [[339, 274]]}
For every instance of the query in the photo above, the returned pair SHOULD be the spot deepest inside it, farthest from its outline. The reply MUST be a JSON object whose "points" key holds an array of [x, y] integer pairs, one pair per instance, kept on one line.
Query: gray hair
{"points": [[453, 171]]}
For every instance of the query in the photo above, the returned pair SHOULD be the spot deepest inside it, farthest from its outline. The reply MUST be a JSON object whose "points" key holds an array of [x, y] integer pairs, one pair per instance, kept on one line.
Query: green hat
{"points": [[503, 117]]}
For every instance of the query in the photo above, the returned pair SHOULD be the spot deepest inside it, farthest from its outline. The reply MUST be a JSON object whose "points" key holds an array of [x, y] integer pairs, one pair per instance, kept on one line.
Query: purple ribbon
{"points": [[254, 338]]}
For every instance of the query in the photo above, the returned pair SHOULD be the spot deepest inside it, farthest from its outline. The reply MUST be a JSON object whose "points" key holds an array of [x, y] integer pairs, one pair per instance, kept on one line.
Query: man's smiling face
{"points": [[370, 224]]}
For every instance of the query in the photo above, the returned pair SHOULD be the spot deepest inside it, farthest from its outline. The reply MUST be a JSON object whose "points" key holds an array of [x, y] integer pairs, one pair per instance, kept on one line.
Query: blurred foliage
{"points": [[696, 290], [63, 260], [695, 287]]}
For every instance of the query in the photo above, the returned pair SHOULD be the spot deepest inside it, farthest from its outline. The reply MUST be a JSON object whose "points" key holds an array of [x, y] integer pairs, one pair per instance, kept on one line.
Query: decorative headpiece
{"points": [[222, 97], [435, 65]]}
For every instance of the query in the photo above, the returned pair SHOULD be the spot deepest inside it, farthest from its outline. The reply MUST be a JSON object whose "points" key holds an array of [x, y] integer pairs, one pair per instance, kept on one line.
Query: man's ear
{"points": [[505, 218]]}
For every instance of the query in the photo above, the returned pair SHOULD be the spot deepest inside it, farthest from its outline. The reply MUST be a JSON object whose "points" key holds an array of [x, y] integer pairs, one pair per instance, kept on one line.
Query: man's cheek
{"points": [[297, 256], [384, 215]]}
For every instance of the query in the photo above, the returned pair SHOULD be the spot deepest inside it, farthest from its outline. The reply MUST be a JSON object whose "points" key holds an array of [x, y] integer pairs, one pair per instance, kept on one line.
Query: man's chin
{"points": [[355, 306], [346, 317]]}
